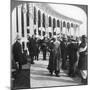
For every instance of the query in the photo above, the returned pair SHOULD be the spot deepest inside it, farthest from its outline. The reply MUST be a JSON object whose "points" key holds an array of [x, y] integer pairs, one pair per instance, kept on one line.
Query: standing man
{"points": [[31, 47], [57, 56], [44, 47], [17, 52], [51, 57], [82, 65], [64, 52], [37, 49], [72, 52]]}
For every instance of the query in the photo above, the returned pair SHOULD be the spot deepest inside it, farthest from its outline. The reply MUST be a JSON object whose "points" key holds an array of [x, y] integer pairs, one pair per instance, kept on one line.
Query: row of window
{"points": [[50, 22], [39, 21]]}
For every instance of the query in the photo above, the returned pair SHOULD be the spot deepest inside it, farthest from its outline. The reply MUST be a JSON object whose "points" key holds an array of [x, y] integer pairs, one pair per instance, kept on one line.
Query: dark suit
{"points": [[72, 52], [31, 47], [44, 48], [51, 58], [64, 54], [37, 49], [83, 57], [17, 53]]}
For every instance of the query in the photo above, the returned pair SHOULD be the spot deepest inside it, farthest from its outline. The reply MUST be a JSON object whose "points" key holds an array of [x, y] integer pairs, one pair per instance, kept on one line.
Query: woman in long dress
{"points": [[82, 64], [54, 60]]}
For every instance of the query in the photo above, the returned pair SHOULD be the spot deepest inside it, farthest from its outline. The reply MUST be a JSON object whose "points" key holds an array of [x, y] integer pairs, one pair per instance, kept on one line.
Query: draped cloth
{"points": [[54, 59]]}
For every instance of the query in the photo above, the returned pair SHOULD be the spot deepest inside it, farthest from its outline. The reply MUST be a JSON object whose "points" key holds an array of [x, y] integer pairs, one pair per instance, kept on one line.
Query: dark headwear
{"points": [[83, 36]]}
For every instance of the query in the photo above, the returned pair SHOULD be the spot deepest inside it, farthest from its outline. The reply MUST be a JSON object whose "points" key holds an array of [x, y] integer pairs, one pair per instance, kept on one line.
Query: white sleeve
{"points": [[83, 49]]}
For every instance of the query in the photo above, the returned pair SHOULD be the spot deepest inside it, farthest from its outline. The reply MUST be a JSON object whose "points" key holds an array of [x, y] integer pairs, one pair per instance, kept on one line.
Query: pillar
{"points": [[31, 16], [37, 22], [25, 25], [46, 24], [19, 21]]}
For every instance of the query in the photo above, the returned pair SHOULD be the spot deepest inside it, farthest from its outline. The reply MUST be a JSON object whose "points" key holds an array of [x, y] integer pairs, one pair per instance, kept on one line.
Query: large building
{"points": [[41, 20]]}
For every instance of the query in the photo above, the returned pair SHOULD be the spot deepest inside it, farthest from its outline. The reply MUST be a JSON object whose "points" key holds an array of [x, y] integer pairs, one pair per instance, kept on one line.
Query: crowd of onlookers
{"points": [[66, 52]]}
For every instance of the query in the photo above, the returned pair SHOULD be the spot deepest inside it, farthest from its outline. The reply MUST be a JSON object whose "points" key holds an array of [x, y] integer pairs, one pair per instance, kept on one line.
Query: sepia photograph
{"points": [[49, 44]]}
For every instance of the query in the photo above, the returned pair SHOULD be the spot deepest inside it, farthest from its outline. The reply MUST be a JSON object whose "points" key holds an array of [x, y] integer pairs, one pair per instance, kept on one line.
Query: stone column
{"points": [[56, 26], [70, 30], [74, 27], [19, 21], [77, 28], [37, 22], [41, 24], [14, 25], [46, 24], [52, 25], [25, 25], [31, 16]]}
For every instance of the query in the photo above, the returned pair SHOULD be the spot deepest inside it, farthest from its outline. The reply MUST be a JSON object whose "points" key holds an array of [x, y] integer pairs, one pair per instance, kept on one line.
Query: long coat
{"points": [[18, 56], [17, 51], [31, 46], [51, 57], [55, 55], [83, 57], [64, 53]]}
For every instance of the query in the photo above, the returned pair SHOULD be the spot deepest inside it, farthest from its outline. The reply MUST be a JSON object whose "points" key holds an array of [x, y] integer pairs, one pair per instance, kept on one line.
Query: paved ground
{"points": [[40, 76], [22, 80]]}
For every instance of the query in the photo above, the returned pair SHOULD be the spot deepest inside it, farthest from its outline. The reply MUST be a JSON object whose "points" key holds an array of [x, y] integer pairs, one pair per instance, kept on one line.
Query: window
{"points": [[39, 32], [27, 15], [22, 22], [43, 33], [64, 24], [50, 34], [39, 18], [68, 25], [54, 23], [34, 15], [58, 23], [17, 18], [54, 33], [35, 31], [49, 21], [28, 31], [43, 20], [71, 24]]}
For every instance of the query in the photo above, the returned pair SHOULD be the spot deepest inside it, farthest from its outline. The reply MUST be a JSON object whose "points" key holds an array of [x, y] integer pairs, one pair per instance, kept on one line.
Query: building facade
{"points": [[41, 20]]}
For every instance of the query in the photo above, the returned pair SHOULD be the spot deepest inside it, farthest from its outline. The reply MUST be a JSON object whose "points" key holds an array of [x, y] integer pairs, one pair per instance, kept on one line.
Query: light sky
{"points": [[72, 12]]}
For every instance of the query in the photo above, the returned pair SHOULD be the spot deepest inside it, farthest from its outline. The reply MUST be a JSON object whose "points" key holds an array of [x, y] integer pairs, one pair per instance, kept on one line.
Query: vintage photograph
{"points": [[49, 44]]}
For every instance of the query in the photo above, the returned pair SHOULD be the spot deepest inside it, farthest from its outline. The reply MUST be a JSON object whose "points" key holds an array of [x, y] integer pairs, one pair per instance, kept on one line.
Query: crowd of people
{"points": [[66, 52]]}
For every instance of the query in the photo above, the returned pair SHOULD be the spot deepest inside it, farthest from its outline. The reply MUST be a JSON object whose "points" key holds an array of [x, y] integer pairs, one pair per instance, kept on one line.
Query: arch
{"points": [[27, 14], [77, 25], [49, 21], [39, 18], [43, 20], [54, 24], [58, 23], [68, 25], [72, 24], [61, 25], [64, 24], [34, 15]]}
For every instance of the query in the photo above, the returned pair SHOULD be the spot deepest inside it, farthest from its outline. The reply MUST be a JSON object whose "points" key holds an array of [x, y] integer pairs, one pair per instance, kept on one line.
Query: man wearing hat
{"points": [[64, 52], [17, 51], [82, 65], [72, 52]]}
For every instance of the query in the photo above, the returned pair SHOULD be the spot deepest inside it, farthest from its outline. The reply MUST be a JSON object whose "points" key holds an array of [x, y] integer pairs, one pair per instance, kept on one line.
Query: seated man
{"points": [[18, 56]]}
